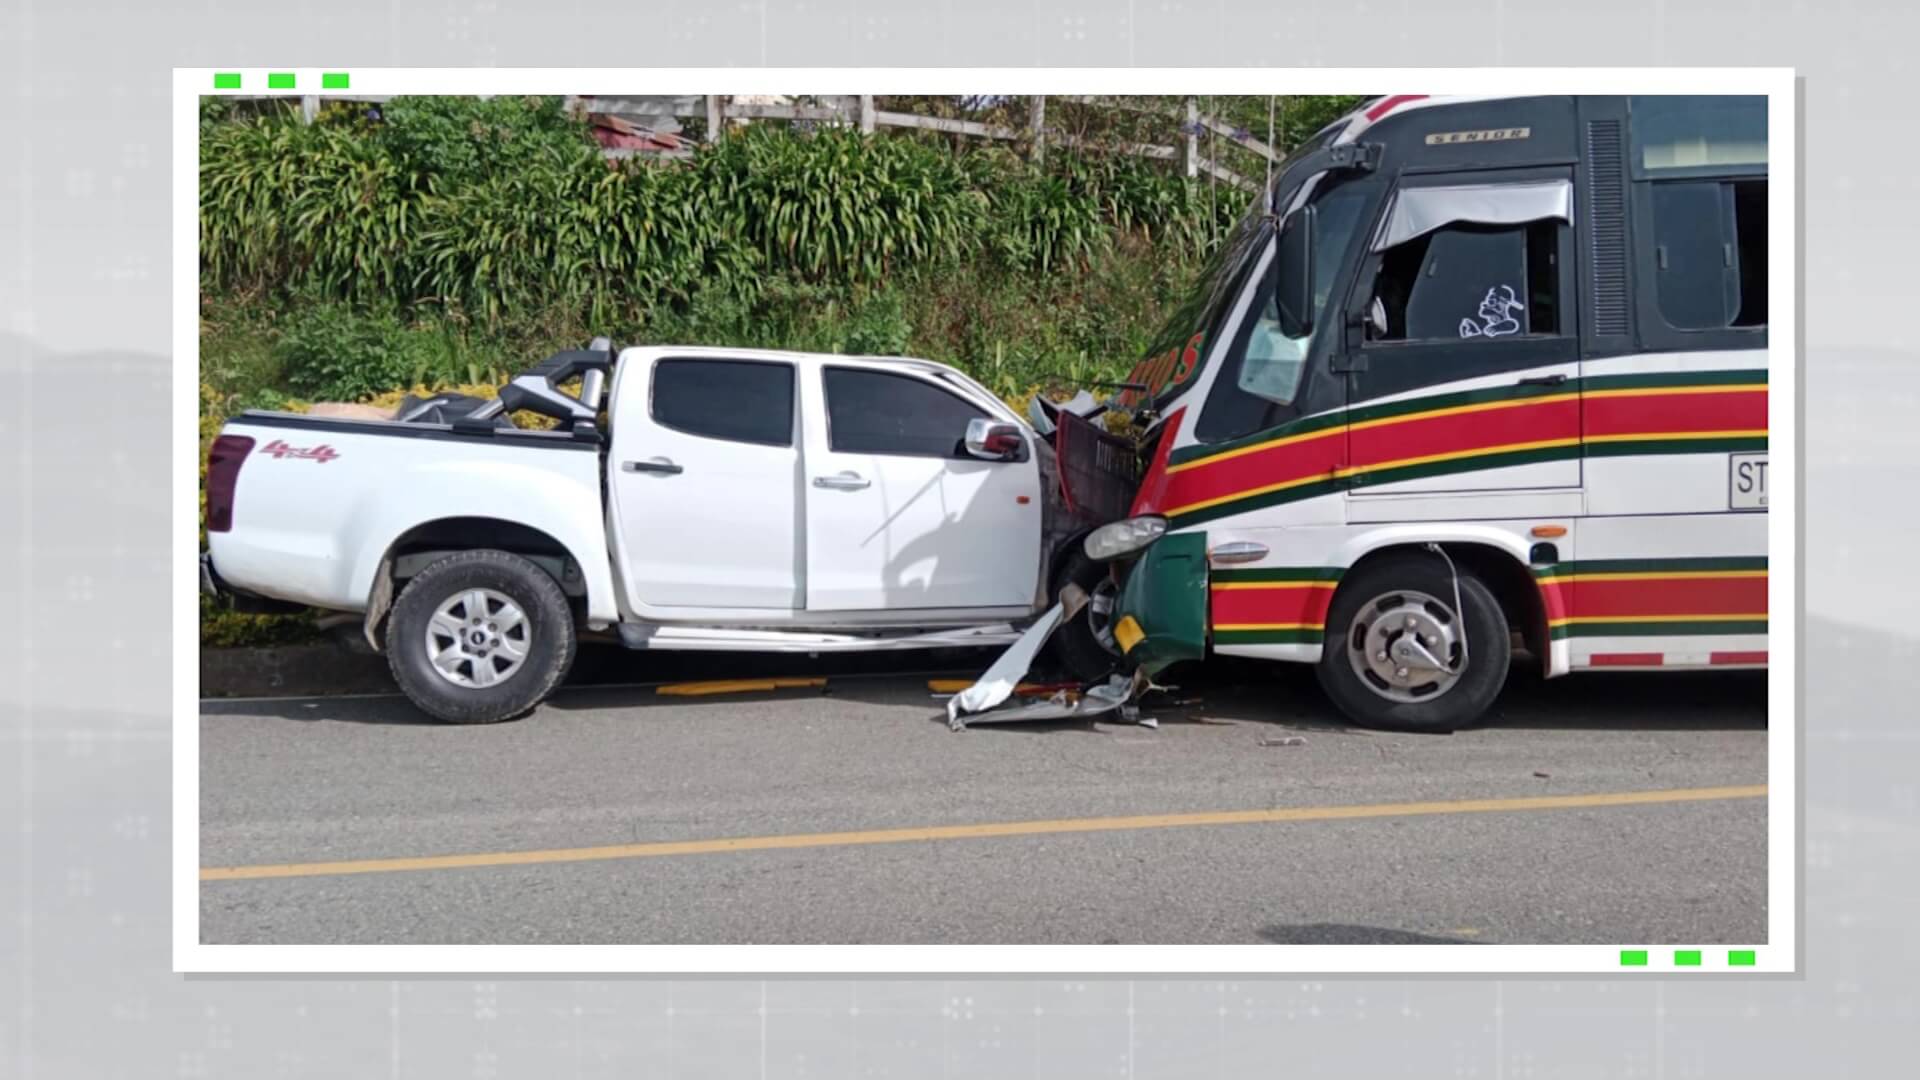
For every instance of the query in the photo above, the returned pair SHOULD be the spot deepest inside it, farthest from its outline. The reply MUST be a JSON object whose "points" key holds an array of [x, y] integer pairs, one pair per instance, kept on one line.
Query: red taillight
{"points": [[223, 472]]}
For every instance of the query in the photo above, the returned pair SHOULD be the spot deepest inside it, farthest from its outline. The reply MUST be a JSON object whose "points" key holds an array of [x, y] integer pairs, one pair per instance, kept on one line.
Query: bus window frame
{"points": [[1382, 368]]}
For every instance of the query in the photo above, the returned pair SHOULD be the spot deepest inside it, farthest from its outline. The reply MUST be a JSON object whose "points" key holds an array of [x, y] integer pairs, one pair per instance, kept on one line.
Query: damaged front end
{"points": [[1160, 620]]}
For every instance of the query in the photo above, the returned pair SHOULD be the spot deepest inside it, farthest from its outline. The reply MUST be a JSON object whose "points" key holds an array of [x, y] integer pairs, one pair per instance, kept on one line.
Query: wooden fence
{"points": [[858, 109]]}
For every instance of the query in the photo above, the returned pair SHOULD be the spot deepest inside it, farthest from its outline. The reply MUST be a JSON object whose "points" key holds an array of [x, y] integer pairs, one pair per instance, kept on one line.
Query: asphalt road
{"points": [[661, 784]]}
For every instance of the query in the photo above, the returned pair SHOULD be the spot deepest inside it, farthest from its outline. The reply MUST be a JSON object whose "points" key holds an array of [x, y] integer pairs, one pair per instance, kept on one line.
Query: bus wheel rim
{"points": [[1406, 646]]}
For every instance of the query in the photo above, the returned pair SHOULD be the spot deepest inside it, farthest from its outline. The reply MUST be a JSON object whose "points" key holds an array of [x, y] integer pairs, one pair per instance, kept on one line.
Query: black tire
{"points": [[1076, 647], [549, 647], [1489, 647]]}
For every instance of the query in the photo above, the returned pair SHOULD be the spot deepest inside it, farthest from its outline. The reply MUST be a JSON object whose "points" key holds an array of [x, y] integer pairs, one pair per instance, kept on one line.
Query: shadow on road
{"points": [[1343, 934], [1225, 690]]}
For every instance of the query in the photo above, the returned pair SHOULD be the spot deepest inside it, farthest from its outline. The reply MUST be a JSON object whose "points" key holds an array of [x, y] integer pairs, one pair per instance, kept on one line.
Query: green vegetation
{"points": [[450, 241]]}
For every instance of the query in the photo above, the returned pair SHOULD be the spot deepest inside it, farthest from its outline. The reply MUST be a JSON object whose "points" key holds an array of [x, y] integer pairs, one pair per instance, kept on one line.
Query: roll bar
{"points": [[538, 390]]}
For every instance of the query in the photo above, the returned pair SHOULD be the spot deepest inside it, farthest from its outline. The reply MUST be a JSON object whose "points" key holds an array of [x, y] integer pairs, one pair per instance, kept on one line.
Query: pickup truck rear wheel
{"points": [[480, 637]]}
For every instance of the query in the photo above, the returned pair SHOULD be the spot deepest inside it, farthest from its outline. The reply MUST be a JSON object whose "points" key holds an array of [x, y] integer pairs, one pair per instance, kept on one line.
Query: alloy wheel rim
{"points": [[478, 638]]}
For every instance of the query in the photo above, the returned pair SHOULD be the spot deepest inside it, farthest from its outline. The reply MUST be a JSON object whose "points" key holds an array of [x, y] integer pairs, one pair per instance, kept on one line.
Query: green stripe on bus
{"points": [[1660, 629], [1268, 637], [1280, 573], [1689, 564]]}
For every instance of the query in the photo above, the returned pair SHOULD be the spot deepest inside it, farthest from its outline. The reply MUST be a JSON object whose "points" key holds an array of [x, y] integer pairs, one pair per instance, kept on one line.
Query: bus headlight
{"points": [[1109, 542]]}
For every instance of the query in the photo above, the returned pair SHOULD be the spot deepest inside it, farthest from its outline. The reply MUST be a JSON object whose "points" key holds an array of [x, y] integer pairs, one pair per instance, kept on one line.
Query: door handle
{"points": [[1554, 379], [846, 481], [660, 465]]}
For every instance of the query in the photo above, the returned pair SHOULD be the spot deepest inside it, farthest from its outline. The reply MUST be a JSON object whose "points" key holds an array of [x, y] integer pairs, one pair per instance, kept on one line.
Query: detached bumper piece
{"points": [[1162, 620]]}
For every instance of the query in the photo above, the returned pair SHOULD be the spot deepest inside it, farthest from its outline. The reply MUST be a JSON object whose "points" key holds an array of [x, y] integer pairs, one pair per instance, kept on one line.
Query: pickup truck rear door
{"points": [[899, 516], [704, 479]]}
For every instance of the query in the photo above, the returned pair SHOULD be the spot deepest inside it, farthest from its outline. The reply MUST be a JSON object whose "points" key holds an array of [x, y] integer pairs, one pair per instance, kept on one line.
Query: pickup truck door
{"points": [[704, 479], [899, 515]]}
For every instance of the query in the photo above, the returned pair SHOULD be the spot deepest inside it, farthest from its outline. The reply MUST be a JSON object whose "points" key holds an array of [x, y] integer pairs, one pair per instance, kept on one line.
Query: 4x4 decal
{"points": [[281, 451]]}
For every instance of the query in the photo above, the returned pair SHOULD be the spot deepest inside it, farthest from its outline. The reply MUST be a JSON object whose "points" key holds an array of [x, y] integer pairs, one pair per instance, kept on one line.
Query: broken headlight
{"points": [[1123, 537]]}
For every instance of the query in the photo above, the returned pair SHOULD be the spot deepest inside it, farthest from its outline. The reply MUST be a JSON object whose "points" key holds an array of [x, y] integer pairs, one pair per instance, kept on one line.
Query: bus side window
{"points": [[1469, 281], [1710, 252]]}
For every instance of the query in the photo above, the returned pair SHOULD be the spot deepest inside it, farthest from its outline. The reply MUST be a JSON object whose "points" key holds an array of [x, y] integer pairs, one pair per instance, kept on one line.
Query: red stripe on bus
{"points": [[1656, 413], [1669, 596], [1466, 432], [1737, 657], [1292, 604], [1627, 659], [1389, 104]]}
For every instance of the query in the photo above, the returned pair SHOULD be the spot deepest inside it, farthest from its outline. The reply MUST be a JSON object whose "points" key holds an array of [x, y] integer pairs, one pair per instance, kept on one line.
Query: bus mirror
{"points": [[1293, 274]]}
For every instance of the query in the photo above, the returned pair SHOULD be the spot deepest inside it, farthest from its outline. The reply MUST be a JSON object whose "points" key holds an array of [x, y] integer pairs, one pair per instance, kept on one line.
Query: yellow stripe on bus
{"points": [[1429, 414], [1638, 436], [1661, 391], [1274, 584], [1285, 440], [1483, 451], [1271, 626]]}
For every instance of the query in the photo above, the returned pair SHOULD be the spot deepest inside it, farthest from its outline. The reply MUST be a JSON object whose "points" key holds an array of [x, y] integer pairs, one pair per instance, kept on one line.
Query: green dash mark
{"points": [[226, 80], [280, 80], [1633, 958], [1740, 957], [1686, 957], [334, 80]]}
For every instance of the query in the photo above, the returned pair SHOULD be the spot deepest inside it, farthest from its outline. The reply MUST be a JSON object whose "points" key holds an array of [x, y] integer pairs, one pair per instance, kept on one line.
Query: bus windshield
{"points": [[1177, 351]]}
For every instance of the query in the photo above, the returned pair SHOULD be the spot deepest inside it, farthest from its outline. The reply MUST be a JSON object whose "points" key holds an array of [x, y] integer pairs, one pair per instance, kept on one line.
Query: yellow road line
{"points": [[977, 832], [734, 686]]}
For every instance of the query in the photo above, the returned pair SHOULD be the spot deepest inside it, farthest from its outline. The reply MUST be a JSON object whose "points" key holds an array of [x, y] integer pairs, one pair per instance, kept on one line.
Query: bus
{"points": [[1478, 380]]}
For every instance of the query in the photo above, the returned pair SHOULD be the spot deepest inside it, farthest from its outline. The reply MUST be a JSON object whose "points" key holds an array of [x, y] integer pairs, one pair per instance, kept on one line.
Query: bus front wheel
{"points": [[1408, 650]]}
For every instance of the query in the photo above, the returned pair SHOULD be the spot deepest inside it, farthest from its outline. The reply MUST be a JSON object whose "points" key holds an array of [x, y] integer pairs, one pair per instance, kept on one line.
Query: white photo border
{"points": [[1779, 955]]}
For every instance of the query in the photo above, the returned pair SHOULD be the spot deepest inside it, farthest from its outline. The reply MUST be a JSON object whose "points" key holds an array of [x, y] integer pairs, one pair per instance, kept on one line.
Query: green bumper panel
{"points": [[1163, 607]]}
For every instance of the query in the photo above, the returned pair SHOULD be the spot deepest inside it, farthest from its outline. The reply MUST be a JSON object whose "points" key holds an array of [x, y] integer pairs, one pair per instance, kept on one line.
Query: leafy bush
{"points": [[333, 352], [463, 139], [837, 205]]}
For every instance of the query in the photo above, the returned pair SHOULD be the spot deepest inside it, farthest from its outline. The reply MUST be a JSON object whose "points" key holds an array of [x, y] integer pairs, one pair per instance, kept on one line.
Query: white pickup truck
{"points": [[724, 499]]}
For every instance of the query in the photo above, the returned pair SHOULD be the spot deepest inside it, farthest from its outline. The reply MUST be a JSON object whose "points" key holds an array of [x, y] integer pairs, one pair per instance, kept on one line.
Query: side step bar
{"points": [[731, 639]]}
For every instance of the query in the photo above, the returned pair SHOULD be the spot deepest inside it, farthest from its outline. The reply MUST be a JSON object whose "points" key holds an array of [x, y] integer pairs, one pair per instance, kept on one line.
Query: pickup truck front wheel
{"points": [[480, 637]]}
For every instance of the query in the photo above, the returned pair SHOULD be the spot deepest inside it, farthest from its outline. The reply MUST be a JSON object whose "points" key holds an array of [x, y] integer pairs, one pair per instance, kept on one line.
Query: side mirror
{"points": [[1293, 274], [993, 440], [1377, 320]]}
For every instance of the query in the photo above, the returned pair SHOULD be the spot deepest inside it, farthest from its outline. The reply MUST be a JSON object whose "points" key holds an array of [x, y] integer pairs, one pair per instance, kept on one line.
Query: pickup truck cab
{"points": [[723, 499]]}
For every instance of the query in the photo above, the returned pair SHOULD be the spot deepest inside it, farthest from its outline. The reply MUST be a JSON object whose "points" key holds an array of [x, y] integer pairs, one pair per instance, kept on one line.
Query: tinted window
{"points": [[1710, 253], [1471, 281], [739, 400], [874, 412], [1684, 133]]}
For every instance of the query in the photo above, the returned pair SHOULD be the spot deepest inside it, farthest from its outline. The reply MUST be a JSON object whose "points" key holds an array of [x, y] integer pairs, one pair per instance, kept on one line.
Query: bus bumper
{"points": [[1162, 614]]}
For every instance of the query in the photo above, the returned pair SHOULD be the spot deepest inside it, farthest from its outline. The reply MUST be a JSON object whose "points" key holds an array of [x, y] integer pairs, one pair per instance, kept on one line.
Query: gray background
{"points": [[85, 576]]}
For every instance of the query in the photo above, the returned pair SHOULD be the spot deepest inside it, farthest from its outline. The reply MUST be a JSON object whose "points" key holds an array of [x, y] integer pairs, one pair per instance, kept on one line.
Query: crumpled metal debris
{"points": [[1102, 697], [985, 702], [997, 684]]}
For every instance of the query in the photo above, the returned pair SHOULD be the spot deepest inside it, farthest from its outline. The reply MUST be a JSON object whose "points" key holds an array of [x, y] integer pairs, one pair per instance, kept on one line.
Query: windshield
{"points": [[1275, 361], [1177, 351]]}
